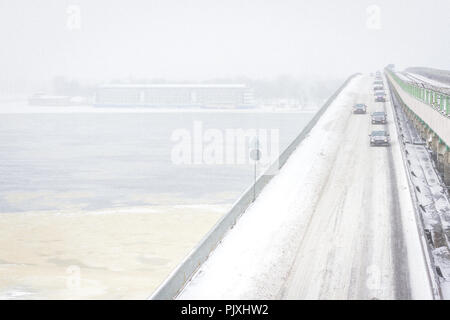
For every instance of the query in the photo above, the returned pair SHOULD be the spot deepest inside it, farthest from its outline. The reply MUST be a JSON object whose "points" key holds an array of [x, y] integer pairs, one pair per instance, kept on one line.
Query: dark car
{"points": [[379, 117], [380, 96], [379, 138], [378, 87], [359, 108]]}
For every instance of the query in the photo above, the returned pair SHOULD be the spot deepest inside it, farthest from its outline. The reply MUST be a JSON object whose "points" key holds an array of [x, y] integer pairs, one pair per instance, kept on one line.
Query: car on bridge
{"points": [[360, 108], [379, 138], [380, 96], [379, 117]]}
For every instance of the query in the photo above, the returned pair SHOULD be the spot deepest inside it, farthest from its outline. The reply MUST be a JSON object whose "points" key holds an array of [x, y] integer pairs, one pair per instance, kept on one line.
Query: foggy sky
{"points": [[202, 39]]}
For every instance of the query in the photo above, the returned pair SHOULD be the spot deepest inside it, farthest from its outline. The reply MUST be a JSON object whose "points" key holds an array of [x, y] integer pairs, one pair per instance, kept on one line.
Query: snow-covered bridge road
{"points": [[336, 223]]}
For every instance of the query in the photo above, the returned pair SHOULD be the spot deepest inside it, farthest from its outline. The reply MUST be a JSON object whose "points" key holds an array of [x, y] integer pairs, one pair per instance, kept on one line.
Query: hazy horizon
{"points": [[199, 40]]}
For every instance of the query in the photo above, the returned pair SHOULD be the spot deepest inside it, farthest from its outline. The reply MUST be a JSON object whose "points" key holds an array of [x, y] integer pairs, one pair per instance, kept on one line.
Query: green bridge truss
{"points": [[437, 100]]}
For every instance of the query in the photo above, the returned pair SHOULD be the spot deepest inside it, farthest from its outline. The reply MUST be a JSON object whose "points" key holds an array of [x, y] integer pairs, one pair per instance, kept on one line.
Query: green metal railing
{"points": [[435, 99]]}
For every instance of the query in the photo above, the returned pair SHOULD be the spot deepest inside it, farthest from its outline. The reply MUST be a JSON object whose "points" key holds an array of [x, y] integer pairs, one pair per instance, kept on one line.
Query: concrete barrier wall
{"points": [[183, 273], [437, 121]]}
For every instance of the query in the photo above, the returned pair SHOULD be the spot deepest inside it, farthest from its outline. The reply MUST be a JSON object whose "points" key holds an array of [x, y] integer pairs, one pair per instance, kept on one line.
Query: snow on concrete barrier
{"points": [[183, 273]]}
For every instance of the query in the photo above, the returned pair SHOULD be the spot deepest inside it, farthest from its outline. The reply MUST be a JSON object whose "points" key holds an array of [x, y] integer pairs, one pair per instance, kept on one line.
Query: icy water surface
{"points": [[91, 205], [101, 160]]}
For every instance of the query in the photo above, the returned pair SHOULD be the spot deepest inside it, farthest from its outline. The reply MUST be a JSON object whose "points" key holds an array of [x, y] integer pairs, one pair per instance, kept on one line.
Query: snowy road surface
{"points": [[337, 222]]}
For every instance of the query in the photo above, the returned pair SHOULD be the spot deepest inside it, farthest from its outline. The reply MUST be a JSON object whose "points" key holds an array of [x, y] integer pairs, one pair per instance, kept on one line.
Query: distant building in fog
{"points": [[175, 95], [42, 99]]}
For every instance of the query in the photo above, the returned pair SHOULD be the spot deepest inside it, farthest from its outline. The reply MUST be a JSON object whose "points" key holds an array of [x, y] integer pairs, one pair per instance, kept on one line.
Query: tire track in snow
{"points": [[402, 288]]}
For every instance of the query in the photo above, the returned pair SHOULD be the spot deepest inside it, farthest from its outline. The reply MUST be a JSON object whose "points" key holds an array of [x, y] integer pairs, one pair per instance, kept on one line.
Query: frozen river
{"points": [[92, 205], [101, 160]]}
